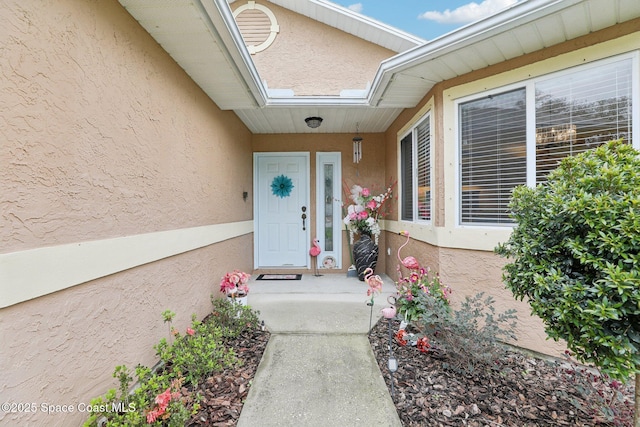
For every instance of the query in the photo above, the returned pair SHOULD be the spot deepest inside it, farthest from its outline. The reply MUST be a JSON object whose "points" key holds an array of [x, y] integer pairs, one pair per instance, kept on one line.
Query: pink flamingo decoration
{"points": [[389, 312], [374, 282], [314, 252], [409, 262], [375, 287]]}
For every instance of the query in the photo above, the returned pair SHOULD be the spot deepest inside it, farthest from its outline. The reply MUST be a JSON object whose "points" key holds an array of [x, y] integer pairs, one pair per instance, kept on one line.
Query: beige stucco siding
{"points": [[464, 255], [107, 144], [312, 58]]}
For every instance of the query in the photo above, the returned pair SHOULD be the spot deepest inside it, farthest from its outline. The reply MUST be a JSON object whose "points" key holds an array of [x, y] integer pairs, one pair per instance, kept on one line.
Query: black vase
{"points": [[365, 255]]}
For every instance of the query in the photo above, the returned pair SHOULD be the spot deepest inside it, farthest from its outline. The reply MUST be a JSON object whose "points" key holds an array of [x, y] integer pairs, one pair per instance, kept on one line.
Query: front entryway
{"points": [[281, 209]]}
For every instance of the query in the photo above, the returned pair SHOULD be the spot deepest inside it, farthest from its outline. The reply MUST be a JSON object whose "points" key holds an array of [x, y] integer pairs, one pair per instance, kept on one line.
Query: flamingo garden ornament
{"points": [[409, 262], [375, 287], [389, 312], [314, 252]]}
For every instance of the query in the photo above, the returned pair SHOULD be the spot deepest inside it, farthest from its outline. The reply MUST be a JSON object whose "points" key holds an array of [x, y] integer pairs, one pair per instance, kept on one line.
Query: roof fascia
{"points": [[369, 21], [504, 21], [222, 23]]}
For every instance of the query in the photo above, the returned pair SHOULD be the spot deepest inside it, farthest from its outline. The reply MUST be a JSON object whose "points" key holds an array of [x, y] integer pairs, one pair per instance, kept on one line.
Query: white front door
{"points": [[281, 192]]}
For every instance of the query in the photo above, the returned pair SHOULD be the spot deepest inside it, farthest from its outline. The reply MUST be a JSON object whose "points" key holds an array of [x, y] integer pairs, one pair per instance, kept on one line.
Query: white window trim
{"points": [[529, 86], [414, 159]]}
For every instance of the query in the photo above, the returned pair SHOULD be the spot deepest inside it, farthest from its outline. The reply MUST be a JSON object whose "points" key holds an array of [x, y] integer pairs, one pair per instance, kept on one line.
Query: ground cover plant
{"points": [[203, 378]]}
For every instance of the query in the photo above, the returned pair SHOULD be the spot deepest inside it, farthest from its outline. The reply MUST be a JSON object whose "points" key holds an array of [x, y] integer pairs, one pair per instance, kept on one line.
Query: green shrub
{"points": [[575, 255], [471, 335]]}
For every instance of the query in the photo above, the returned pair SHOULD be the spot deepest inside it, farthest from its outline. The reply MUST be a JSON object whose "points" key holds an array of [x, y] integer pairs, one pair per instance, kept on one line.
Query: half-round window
{"points": [[258, 26]]}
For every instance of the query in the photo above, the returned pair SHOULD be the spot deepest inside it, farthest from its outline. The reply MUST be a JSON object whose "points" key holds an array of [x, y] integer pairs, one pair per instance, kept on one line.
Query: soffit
{"points": [[202, 37], [527, 27]]}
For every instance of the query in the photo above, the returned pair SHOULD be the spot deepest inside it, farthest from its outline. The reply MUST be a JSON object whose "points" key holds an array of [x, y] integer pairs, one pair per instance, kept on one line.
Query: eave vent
{"points": [[258, 26]]}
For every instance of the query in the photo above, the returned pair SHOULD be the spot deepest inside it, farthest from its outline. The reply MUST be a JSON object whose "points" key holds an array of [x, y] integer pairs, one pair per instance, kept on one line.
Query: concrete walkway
{"points": [[318, 368]]}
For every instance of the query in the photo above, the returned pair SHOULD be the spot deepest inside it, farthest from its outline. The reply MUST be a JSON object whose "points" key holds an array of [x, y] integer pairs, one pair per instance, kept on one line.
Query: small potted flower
{"points": [[234, 285]]}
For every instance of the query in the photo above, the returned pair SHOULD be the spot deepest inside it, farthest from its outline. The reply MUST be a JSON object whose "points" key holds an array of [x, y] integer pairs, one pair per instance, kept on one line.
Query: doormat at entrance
{"points": [[279, 277]]}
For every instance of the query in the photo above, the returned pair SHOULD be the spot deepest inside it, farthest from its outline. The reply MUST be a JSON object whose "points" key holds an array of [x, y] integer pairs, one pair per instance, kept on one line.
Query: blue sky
{"points": [[426, 18]]}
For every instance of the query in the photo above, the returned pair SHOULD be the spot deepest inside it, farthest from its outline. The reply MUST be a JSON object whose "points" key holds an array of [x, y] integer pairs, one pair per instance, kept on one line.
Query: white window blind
{"points": [[415, 155], [493, 155], [581, 110], [406, 164], [423, 151]]}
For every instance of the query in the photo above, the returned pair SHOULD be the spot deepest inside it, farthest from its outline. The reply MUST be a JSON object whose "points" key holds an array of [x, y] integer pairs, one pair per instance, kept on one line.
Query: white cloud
{"points": [[356, 7], [468, 12]]}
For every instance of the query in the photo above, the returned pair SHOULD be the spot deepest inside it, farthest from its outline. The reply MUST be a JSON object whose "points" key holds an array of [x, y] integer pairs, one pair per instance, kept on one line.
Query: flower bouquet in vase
{"points": [[234, 285], [362, 218]]}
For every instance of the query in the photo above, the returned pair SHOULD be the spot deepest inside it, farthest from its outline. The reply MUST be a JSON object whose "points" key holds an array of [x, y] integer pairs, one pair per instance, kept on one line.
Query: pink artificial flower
{"points": [[163, 399], [366, 192], [152, 416], [190, 331], [363, 215], [243, 288], [372, 204]]}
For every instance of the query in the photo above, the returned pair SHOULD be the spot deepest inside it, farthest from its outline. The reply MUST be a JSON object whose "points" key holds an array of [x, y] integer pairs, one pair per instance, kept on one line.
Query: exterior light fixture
{"points": [[393, 364], [313, 122], [357, 147]]}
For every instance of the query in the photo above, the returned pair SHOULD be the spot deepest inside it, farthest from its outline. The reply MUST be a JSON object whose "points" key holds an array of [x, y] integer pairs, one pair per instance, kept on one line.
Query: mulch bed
{"points": [[520, 391], [224, 394]]}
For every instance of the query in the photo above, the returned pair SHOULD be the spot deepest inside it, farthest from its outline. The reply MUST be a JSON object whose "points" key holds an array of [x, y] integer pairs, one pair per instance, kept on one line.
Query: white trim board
{"points": [[33, 273]]}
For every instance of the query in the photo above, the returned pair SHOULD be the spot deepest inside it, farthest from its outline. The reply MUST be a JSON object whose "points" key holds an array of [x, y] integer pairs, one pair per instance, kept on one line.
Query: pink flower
{"points": [[363, 215], [372, 205], [366, 192], [152, 416], [190, 331], [163, 399]]}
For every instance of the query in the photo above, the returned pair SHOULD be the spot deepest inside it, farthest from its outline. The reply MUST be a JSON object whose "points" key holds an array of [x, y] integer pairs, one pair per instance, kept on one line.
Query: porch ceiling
{"points": [[202, 37]]}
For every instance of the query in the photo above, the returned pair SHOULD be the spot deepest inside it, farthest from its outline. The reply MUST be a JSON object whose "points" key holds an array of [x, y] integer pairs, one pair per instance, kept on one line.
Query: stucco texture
{"points": [[312, 58], [105, 136]]}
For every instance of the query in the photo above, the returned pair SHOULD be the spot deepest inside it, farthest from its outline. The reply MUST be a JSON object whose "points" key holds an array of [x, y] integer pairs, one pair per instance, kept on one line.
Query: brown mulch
{"points": [[224, 394], [519, 391]]}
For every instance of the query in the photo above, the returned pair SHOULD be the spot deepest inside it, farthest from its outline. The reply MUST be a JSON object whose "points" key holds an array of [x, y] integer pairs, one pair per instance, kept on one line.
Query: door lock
{"points": [[304, 218]]}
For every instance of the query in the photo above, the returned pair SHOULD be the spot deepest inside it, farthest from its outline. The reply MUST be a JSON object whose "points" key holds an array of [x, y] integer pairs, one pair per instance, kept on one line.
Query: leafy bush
{"points": [[164, 397], [471, 335], [134, 408], [575, 255]]}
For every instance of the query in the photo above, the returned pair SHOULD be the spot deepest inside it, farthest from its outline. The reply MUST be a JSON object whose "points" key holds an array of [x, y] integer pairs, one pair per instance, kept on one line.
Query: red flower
{"points": [[423, 344], [190, 331], [400, 337]]}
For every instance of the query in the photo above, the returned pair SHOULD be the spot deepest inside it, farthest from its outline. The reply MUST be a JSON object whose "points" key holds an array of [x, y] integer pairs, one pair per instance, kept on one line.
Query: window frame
{"points": [[413, 131], [530, 126]]}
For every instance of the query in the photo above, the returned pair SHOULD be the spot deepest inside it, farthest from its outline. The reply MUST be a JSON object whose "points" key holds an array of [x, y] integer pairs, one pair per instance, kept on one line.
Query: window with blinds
{"points": [[575, 110], [415, 159], [406, 162], [581, 110], [493, 155]]}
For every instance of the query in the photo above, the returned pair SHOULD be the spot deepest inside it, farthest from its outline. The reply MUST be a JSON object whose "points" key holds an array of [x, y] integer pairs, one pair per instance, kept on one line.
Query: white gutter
{"points": [[510, 18]]}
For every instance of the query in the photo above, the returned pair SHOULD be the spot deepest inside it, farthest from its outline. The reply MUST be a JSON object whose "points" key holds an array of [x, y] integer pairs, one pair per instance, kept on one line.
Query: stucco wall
{"points": [[452, 250], [312, 58], [367, 173], [105, 136]]}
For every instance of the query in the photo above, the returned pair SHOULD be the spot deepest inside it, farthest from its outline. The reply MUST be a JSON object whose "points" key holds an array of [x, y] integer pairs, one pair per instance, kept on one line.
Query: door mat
{"points": [[279, 277]]}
